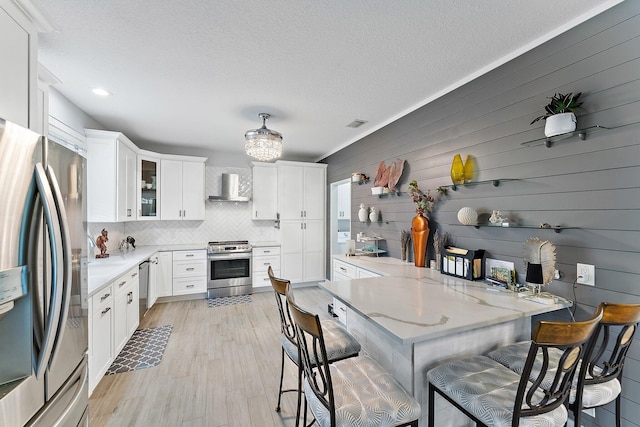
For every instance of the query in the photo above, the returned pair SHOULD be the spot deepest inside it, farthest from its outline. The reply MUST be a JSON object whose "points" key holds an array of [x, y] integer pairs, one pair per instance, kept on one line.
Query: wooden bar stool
{"points": [[493, 395], [340, 343], [599, 382], [350, 392]]}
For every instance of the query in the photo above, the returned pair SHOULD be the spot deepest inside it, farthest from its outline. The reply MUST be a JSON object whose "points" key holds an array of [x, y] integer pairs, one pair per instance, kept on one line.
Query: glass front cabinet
{"points": [[148, 187]]}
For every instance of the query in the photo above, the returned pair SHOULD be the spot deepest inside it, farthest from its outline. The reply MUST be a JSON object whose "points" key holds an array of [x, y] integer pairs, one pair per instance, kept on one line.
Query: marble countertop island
{"points": [[415, 304]]}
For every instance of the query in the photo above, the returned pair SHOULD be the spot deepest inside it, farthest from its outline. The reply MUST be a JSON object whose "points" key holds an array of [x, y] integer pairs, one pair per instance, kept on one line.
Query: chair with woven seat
{"points": [[350, 392], [599, 381], [340, 343], [493, 395]]}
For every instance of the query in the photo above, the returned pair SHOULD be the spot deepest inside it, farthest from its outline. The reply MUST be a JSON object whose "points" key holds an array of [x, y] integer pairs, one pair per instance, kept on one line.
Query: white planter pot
{"points": [[559, 124]]}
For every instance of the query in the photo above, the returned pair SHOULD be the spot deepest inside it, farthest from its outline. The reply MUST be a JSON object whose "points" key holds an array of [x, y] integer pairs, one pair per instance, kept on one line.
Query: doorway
{"points": [[340, 211]]}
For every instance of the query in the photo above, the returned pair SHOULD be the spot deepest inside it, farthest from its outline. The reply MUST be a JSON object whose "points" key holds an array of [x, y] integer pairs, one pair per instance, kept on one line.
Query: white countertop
{"points": [[102, 271], [415, 304]]}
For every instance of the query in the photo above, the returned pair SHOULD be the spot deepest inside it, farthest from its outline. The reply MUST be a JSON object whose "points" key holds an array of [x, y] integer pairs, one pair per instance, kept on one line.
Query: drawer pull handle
{"points": [[265, 279], [190, 286], [104, 297], [121, 284], [134, 274], [267, 252], [342, 309], [267, 263], [343, 269], [189, 255], [106, 310], [129, 297], [190, 269]]}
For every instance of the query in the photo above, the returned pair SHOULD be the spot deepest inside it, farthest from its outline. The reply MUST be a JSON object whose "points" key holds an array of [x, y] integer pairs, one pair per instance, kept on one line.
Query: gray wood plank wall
{"points": [[593, 184]]}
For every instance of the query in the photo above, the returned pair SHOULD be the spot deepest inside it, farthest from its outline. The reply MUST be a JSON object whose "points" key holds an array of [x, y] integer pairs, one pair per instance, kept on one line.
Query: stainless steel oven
{"points": [[228, 269]]}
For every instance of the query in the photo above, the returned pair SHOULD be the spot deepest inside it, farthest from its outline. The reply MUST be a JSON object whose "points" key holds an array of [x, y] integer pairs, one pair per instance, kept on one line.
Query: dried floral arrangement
{"points": [[425, 202]]}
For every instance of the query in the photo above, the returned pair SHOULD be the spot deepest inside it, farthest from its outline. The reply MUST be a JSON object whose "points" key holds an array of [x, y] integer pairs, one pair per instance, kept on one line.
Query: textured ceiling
{"points": [[197, 73]]}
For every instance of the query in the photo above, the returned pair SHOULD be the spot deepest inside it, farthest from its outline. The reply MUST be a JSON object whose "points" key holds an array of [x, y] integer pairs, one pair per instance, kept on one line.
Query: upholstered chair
{"points": [[599, 381], [340, 344], [349, 392], [493, 395]]}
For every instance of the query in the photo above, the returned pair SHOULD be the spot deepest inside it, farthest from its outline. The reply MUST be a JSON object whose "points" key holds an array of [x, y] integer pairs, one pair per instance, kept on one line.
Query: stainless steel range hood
{"points": [[230, 189]]}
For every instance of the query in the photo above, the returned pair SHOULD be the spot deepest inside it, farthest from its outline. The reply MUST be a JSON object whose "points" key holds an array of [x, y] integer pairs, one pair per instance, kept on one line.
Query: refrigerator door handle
{"points": [[66, 258], [55, 243]]}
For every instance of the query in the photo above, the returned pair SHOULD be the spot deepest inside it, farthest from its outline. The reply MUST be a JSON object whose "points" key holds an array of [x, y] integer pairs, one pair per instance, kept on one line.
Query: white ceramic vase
{"points": [[373, 215], [363, 213], [559, 124]]}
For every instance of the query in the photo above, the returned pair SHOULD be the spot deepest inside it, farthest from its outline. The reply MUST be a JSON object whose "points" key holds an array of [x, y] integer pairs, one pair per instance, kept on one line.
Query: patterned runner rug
{"points": [[144, 349], [219, 302]]}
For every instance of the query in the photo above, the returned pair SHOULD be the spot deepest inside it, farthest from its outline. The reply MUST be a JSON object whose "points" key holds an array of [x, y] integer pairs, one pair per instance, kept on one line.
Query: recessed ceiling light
{"points": [[101, 92]]}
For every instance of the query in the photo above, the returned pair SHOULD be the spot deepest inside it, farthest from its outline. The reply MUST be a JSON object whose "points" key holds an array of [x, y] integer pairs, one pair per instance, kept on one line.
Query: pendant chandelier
{"points": [[263, 144]]}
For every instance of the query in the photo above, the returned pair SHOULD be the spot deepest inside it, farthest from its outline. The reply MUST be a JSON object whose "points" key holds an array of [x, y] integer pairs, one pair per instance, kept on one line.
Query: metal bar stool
{"points": [[493, 395], [351, 392], [599, 381], [340, 344]]}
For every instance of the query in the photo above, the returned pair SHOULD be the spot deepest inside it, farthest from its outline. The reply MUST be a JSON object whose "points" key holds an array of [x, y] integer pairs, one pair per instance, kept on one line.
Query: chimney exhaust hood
{"points": [[230, 189]]}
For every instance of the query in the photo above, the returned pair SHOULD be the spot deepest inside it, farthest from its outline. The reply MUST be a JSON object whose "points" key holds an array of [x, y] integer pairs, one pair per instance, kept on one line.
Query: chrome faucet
{"points": [[123, 245]]}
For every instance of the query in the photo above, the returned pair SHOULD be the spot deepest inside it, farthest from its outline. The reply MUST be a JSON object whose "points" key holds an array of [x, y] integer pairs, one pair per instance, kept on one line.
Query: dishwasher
{"points": [[143, 274]]}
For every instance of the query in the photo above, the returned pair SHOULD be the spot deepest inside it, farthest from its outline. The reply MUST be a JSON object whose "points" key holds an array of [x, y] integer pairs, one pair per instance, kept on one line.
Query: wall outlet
{"points": [[586, 274]]}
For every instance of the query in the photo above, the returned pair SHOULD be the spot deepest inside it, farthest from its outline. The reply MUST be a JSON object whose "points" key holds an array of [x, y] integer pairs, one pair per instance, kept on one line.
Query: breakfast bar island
{"points": [[412, 319]]}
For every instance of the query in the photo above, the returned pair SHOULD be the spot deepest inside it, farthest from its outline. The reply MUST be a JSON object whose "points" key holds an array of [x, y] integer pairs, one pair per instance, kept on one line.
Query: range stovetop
{"points": [[229, 246]]}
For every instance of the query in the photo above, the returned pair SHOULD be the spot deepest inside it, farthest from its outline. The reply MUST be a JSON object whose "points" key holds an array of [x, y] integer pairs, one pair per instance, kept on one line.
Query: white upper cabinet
{"points": [[301, 190], [344, 201], [18, 72], [148, 187], [265, 191], [111, 177], [182, 190]]}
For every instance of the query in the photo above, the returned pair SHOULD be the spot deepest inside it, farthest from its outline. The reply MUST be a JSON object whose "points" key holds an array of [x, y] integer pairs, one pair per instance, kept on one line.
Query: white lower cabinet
{"points": [[126, 317], [263, 258], [164, 275], [189, 272], [345, 271], [302, 250], [100, 335], [114, 317]]}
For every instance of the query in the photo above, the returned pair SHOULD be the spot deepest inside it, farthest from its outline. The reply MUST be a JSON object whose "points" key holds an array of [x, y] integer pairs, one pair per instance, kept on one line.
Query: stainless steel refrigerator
{"points": [[43, 281]]}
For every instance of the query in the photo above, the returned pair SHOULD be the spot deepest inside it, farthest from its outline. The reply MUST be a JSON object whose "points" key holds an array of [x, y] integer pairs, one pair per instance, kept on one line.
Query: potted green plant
{"points": [[560, 114]]}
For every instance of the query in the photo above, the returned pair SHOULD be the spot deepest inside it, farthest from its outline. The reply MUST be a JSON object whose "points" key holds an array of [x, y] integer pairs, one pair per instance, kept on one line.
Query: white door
{"points": [[314, 193], [290, 191], [265, 192], [126, 188], [193, 198], [171, 190]]}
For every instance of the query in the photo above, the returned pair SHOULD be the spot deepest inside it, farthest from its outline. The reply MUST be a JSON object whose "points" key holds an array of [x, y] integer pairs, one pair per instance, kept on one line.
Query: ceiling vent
{"points": [[356, 123]]}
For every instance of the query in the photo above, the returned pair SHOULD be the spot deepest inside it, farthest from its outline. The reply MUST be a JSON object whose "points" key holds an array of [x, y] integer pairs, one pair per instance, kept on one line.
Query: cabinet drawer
{"points": [[123, 281], [345, 269], [266, 251], [340, 310], [189, 269], [261, 279], [261, 264], [187, 286], [189, 255], [101, 298]]}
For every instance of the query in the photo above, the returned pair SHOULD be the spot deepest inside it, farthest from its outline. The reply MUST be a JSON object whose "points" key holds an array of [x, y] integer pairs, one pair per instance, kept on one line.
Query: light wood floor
{"points": [[221, 367]]}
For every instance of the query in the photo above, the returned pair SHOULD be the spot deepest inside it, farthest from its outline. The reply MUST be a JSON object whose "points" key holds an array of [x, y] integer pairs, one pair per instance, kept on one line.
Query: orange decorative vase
{"points": [[419, 235]]}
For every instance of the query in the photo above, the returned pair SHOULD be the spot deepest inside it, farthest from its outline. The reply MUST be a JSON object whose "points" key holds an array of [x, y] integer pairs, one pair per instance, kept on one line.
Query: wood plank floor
{"points": [[221, 368]]}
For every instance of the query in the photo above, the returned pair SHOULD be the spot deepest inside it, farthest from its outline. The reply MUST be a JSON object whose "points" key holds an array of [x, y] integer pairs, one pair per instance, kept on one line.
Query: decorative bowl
{"points": [[377, 190]]}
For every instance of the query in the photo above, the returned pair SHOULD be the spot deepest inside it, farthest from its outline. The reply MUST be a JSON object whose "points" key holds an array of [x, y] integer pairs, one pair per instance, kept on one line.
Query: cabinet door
{"points": [[265, 192], [152, 297], [147, 185], [100, 356], [313, 251], [126, 187], [171, 190], [164, 275], [120, 321], [133, 307], [313, 193], [344, 201], [290, 189], [193, 198], [15, 81], [291, 250]]}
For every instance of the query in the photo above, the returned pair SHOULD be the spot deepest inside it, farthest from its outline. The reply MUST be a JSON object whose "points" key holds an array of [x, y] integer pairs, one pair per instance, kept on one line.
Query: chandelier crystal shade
{"points": [[263, 144]]}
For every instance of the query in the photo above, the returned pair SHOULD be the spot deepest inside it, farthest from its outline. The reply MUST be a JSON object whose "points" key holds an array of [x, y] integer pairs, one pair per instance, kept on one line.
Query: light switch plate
{"points": [[586, 274]]}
